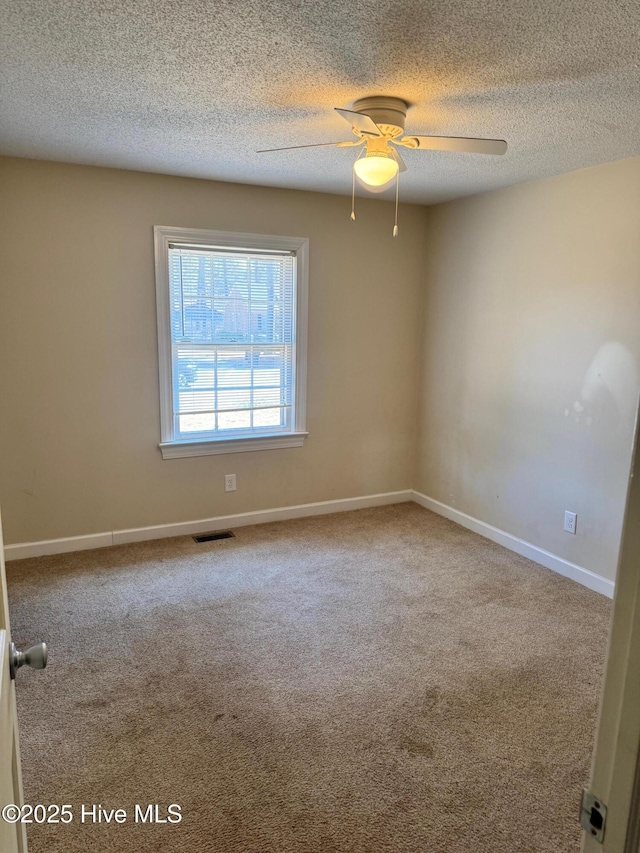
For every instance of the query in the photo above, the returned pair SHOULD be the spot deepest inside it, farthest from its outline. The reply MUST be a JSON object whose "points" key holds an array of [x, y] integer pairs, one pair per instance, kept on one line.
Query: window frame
{"points": [[171, 447]]}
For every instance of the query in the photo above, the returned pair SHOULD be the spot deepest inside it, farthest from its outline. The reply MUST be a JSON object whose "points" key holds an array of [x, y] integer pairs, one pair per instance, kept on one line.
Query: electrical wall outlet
{"points": [[570, 521], [229, 482]]}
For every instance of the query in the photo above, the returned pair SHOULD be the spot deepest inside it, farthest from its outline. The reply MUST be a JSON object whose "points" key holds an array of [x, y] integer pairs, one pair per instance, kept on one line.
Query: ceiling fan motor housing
{"points": [[388, 113]]}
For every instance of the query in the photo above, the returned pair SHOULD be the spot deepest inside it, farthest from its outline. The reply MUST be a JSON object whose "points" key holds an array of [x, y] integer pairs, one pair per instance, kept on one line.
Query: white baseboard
{"points": [[185, 528], [525, 549], [57, 546]]}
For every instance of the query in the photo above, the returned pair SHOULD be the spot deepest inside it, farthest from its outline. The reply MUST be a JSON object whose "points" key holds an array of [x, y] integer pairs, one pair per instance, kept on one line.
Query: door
{"points": [[13, 837], [615, 772]]}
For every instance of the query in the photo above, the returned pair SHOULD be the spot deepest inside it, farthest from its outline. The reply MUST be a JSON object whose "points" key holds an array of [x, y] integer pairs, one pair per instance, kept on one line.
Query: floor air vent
{"points": [[212, 537]]}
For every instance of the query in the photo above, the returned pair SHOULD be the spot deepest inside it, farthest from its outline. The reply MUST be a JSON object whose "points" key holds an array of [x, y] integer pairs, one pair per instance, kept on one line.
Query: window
{"points": [[232, 319]]}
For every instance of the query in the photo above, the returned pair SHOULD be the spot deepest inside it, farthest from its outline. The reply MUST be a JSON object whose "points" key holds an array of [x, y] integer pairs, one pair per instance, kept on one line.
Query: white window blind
{"points": [[233, 340], [232, 330]]}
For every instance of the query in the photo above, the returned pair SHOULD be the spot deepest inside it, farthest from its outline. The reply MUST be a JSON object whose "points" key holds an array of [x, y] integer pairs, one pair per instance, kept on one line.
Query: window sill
{"points": [[180, 449]]}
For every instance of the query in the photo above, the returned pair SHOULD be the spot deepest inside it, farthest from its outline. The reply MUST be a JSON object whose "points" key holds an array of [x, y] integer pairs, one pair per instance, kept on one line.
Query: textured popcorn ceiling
{"points": [[194, 87]]}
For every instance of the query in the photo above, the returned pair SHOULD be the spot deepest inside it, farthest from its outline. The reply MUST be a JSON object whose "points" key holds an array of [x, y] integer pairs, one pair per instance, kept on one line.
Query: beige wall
{"points": [[530, 358], [527, 301], [78, 378]]}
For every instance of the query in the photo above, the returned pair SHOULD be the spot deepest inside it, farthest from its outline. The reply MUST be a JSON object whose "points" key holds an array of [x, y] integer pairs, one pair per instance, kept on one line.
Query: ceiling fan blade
{"points": [[396, 156], [291, 147], [455, 143], [362, 122]]}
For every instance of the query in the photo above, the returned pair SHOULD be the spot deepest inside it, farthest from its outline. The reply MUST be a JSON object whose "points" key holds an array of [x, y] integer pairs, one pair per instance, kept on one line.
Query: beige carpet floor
{"points": [[379, 681]]}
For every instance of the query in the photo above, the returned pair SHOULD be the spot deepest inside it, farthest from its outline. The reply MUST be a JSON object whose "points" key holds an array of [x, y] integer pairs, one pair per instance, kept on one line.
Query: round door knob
{"points": [[35, 657]]}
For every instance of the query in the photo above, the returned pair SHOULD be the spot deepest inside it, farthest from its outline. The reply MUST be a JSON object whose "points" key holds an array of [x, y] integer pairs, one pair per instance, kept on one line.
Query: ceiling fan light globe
{"points": [[376, 170]]}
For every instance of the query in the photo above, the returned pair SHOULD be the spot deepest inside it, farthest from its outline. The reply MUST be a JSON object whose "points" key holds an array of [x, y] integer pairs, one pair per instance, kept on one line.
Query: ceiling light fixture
{"points": [[376, 170]]}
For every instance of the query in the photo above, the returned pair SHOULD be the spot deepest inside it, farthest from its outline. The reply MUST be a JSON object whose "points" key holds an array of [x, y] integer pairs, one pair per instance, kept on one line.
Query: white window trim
{"points": [[170, 448]]}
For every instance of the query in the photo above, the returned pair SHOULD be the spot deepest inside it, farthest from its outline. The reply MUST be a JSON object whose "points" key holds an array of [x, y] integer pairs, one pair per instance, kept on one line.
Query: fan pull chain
{"points": [[353, 194], [353, 185], [395, 225]]}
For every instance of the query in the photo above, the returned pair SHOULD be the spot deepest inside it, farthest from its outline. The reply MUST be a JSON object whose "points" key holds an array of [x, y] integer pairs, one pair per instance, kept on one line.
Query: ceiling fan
{"points": [[378, 123]]}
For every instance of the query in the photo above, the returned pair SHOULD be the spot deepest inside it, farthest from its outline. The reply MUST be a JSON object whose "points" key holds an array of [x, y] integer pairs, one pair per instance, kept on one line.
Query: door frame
{"points": [[16, 766], [615, 770]]}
